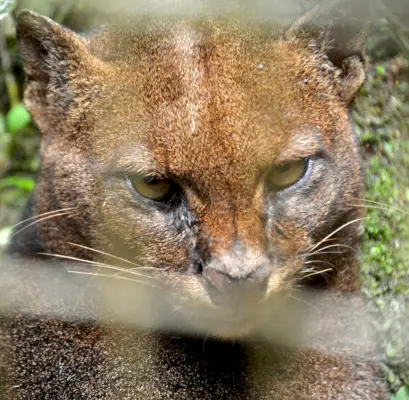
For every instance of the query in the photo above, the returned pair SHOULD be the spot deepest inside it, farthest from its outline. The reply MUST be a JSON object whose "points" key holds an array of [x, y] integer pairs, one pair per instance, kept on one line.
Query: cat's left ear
{"points": [[60, 71], [336, 33]]}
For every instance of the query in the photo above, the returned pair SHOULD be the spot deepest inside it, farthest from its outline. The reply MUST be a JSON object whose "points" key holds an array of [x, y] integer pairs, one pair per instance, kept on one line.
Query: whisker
{"points": [[42, 215], [303, 287], [305, 302], [175, 310], [275, 348], [322, 272], [108, 254], [306, 270], [142, 267], [297, 288], [335, 231], [204, 341], [319, 262], [334, 245], [372, 201], [374, 207], [321, 252], [107, 266], [61, 214], [83, 291], [385, 206], [113, 277]]}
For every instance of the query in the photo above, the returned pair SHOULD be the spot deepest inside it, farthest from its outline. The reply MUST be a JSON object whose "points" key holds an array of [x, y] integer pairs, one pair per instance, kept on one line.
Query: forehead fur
{"points": [[196, 91]]}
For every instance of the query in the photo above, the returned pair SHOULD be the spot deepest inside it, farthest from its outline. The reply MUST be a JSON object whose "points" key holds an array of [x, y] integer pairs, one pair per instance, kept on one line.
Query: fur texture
{"points": [[213, 105]]}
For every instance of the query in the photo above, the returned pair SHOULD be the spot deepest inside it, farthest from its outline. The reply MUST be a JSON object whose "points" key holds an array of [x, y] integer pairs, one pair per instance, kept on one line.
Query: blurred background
{"points": [[380, 115]]}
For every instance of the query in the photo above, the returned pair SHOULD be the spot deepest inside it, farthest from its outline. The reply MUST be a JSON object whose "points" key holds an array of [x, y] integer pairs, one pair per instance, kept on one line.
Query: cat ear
{"points": [[54, 58], [336, 33]]}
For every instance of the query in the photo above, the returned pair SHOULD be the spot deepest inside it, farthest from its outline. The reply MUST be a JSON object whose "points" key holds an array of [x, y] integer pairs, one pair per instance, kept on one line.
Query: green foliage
{"points": [[17, 118], [2, 125], [26, 184], [380, 70], [403, 393], [382, 124]]}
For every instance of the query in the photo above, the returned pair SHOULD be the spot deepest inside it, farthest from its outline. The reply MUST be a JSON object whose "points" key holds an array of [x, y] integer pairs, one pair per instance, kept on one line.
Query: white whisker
{"points": [[319, 262], [39, 220], [383, 206], [331, 246], [317, 273], [305, 302], [42, 215], [98, 264], [335, 231], [113, 277], [320, 253], [109, 255]]}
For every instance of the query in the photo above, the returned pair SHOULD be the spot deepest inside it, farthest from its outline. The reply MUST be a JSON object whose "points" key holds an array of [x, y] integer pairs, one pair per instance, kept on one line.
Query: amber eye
{"points": [[152, 188], [287, 174]]}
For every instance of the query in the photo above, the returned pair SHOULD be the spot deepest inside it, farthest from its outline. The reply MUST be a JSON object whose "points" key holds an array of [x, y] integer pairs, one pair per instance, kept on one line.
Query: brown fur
{"points": [[212, 104]]}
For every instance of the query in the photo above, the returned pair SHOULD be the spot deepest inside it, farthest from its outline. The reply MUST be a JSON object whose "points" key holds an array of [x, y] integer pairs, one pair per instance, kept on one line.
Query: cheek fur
{"points": [[143, 238]]}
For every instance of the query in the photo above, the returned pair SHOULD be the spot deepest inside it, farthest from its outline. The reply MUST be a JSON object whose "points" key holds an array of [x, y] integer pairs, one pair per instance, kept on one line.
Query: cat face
{"points": [[214, 154]]}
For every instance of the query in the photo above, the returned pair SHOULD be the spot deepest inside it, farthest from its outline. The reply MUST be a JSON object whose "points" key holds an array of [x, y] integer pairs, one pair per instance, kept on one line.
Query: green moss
{"points": [[381, 116]]}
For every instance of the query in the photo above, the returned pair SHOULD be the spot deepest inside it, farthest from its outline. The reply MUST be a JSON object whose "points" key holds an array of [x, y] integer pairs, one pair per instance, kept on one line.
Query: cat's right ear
{"points": [[56, 62], [335, 32]]}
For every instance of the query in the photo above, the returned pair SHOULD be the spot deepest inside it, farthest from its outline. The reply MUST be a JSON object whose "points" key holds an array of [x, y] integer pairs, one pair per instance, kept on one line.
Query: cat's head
{"points": [[219, 152]]}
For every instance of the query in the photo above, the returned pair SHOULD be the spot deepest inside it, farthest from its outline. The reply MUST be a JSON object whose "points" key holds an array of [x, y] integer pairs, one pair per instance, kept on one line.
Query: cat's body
{"points": [[218, 156], [47, 354]]}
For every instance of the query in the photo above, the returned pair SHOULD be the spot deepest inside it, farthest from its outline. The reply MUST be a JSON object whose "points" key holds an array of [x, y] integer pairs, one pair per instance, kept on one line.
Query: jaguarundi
{"points": [[212, 162]]}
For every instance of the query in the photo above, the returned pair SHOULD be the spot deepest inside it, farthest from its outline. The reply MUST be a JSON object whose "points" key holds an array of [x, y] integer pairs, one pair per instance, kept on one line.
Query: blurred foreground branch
{"points": [[318, 320]]}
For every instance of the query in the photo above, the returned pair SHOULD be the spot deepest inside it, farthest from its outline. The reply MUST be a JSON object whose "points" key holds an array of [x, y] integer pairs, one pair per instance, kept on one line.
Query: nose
{"points": [[229, 292]]}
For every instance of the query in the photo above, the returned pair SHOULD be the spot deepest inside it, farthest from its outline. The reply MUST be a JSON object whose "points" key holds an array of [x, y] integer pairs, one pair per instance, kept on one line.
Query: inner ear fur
{"points": [[54, 58], [337, 32], [46, 47]]}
